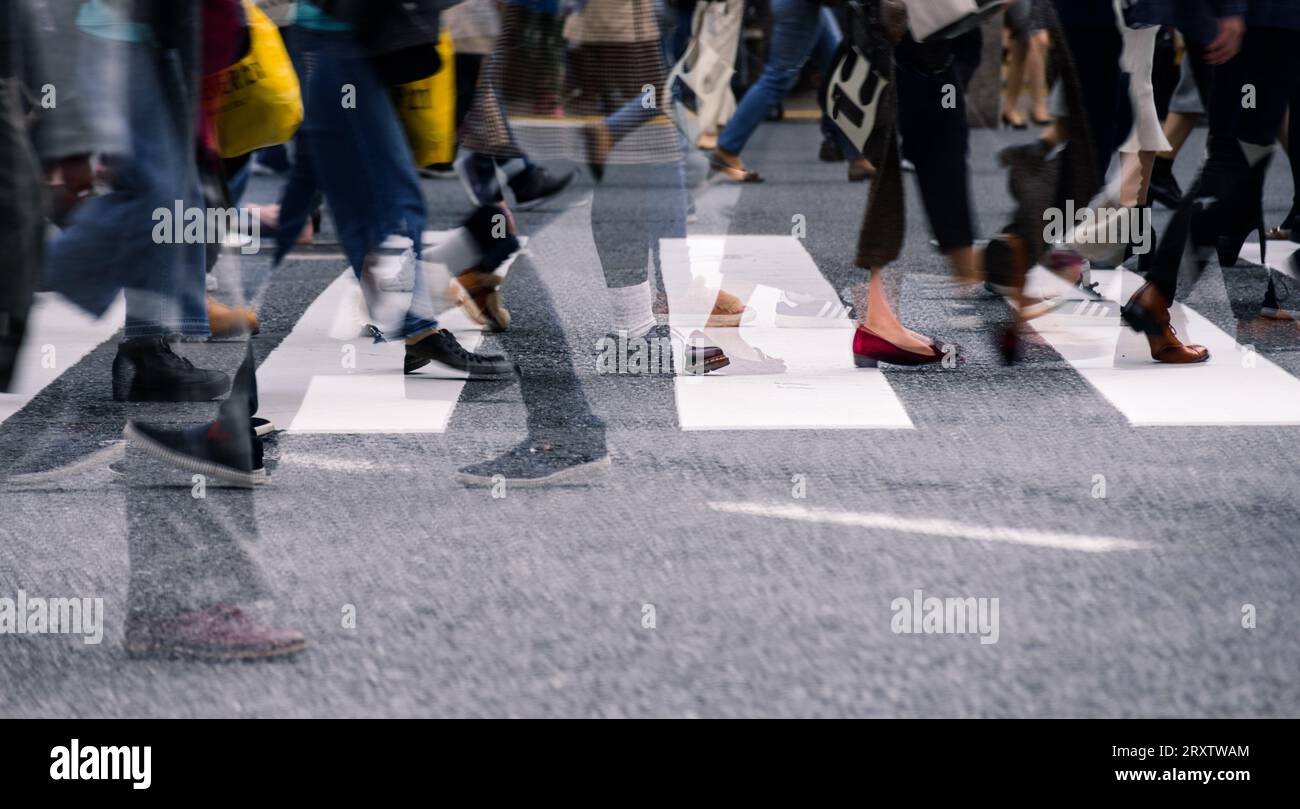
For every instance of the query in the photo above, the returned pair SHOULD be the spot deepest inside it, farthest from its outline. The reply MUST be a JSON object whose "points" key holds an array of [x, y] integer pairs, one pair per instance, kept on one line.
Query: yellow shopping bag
{"points": [[255, 102], [428, 109]]}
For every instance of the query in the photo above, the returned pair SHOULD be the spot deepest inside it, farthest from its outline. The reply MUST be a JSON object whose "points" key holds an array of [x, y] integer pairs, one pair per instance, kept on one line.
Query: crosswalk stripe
{"points": [[306, 386], [1234, 387], [59, 335], [821, 389], [1277, 253], [947, 529]]}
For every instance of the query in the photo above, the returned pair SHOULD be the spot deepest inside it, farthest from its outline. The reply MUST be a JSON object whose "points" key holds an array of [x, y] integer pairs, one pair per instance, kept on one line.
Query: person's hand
{"points": [[1228, 42]]}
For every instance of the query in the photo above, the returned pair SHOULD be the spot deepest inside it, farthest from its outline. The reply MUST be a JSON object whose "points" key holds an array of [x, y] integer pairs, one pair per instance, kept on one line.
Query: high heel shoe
{"points": [[1148, 313], [870, 349], [1006, 119], [1229, 246]]}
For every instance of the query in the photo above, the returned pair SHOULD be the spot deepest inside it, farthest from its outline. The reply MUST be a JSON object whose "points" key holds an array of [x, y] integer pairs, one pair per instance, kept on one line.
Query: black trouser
{"points": [[1293, 152], [1096, 53], [1227, 193], [936, 140], [468, 67]]}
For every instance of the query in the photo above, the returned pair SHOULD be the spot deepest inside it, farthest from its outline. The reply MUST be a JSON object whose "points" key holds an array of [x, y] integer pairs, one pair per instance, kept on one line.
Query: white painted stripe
{"points": [[1277, 253], [59, 335], [821, 389], [937, 528], [1235, 387], [305, 385]]}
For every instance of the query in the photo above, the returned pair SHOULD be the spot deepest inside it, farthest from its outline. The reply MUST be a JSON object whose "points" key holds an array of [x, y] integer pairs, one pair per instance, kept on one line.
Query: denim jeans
{"points": [[357, 156], [109, 244], [801, 30]]}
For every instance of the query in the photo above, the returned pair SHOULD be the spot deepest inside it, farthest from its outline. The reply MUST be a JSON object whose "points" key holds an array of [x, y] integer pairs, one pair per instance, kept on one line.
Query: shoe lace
{"points": [[456, 348], [167, 349]]}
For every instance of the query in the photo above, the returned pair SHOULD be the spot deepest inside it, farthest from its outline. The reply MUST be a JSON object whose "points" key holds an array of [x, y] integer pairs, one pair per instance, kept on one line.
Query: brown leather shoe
{"points": [[226, 321], [1148, 312], [484, 291], [221, 632], [728, 310], [861, 170]]}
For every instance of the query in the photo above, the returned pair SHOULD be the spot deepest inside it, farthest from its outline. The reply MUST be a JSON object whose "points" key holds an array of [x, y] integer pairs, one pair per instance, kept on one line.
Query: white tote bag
{"points": [[707, 67], [946, 18]]}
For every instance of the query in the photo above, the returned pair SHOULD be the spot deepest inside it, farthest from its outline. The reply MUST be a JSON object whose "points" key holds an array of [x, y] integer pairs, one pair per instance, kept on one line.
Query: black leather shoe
{"points": [[442, 348]]}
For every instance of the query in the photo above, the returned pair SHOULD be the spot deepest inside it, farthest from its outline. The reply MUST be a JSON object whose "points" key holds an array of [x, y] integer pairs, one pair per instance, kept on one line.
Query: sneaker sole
{"points": [[708, 366], [449, 372], [102, 457], [571, 475], [180, 460]]}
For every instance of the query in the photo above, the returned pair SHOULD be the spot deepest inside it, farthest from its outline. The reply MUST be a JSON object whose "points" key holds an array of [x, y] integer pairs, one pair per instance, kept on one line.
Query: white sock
{"points": [[632, 310]]}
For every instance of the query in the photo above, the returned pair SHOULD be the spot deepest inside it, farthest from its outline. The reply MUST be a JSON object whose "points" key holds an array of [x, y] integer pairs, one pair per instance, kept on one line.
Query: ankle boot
{"points": [[1148, 312]]}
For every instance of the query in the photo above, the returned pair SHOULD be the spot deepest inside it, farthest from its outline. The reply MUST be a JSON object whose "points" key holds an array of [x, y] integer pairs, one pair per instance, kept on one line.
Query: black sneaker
{"points": [[209, 449], [147, 370], [535, 186], [1164, 187], [544, 461], [442, 347]]}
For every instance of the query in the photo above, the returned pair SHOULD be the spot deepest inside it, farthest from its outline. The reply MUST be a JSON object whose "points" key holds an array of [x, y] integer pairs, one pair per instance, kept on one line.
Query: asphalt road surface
{"points": [[744, 554]]}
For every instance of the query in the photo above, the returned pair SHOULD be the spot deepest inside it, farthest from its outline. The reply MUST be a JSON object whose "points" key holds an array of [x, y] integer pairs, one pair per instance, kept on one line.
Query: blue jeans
{"points": [[109, 245], [357, 156], [802, 30]]}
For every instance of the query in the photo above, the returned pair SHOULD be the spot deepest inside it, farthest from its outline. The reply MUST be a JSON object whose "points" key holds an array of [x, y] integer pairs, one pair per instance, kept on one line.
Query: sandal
{"points": [[733, 172]]}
